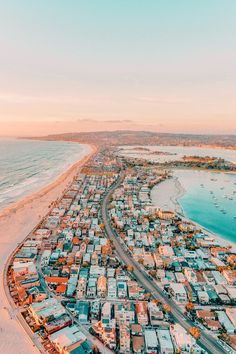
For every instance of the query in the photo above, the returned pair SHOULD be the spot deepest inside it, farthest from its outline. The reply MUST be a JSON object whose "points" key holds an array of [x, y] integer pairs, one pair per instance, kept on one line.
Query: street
{"points": [[206, 341]]}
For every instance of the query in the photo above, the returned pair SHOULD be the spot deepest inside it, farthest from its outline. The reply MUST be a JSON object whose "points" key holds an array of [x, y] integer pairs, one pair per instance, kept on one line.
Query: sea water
{"points": [[27, 165], [210, 200]]}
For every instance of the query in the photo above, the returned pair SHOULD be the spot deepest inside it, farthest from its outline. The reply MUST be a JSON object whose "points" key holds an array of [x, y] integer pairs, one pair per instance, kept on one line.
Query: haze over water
{"points": [[27, 165]]}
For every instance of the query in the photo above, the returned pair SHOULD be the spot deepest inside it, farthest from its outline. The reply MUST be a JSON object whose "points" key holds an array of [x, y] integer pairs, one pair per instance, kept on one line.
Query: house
{"points": [[213, 325], [82, 311], [205, 314], [92, 288], [231, 313], [121, 289], [124, 338], [138, 344], [151, 343], [155, 314], [142, 316], [178, 291], [102, 286], [230, 276], [70, 340], [111, 288], [183, 340], [225, 322], [165, 342], [203, 297]]}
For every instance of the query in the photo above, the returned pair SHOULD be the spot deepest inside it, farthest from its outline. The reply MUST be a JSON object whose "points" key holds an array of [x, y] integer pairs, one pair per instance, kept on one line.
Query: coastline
{"points": [[16, 222], [165, 195]]}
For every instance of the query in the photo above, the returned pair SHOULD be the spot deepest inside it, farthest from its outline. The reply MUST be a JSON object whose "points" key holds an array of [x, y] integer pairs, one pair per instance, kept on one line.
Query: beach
{"points": [[165, 196], [16, 222]]}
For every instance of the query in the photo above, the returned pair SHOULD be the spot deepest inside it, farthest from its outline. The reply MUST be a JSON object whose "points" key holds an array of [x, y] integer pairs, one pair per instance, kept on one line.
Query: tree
{"points": [[166, 308], [224, 336], [95, 349], [147, 296], [130, 268], [156, 301], [189, 306], [195, 332]]}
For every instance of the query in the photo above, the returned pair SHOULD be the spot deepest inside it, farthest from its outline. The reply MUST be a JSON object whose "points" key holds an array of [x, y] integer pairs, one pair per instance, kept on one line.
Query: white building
{"points": [[178, 291], [151, 341]]}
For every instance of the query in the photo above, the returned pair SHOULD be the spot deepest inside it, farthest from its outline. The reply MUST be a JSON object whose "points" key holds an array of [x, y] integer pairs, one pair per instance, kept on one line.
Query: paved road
{"points": [[206, 341], [102, 348]]}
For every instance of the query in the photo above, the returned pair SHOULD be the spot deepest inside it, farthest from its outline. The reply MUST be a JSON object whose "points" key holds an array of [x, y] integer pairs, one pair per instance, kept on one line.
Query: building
{"points": [[178, 291], [124, 338], [70, 340], [82, 311], [183, 340], [151, 342], [231, 313], [155, 314], [165, 342], [121, 289], [102, 286], [111, 288], [225, 322], [142, 316]]}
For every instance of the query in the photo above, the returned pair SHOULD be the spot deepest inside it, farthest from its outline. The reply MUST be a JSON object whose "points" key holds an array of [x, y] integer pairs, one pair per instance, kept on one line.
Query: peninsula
{"points": [[107, 271]]}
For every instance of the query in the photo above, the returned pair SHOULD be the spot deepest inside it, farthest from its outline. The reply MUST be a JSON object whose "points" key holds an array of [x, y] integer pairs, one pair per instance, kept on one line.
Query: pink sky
{"points": [[27, 128], [83, 65]]}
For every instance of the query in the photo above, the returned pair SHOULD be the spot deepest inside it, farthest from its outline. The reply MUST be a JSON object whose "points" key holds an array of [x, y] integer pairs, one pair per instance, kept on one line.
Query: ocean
{"points": [[28, 165], [208, 198]]}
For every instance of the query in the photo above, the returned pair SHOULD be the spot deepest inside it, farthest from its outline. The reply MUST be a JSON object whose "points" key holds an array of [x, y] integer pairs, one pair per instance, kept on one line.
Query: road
{"points": [[206, 341], [102, 348]]}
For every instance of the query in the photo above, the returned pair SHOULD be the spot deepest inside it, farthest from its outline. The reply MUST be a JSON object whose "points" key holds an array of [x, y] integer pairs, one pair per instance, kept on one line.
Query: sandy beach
{"points": [[16, 222], [165, 196]]}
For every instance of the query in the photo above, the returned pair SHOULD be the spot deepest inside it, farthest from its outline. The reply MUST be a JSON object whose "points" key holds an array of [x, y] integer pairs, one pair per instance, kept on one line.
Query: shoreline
{"points": [[172, 203], [45, 188], [16, 222]]}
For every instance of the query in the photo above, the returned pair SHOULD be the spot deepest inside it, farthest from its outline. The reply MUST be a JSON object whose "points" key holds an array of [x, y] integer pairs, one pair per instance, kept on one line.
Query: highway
{"points": [[206, 341]]}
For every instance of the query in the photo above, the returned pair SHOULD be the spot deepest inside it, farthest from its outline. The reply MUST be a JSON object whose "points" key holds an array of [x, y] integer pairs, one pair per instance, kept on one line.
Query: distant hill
{"points": [[128, 137]]}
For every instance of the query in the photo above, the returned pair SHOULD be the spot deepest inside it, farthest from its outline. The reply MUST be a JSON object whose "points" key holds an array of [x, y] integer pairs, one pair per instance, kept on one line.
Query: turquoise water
{"points": [[210, 200], [27, 165]]}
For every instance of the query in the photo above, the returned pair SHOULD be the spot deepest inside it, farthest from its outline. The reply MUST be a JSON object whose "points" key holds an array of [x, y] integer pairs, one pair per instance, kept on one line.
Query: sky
{"points": [[85, 65]]}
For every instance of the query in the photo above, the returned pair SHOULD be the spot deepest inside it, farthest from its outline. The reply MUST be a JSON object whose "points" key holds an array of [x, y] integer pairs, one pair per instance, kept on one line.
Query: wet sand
{"points": [[16, 222]]}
